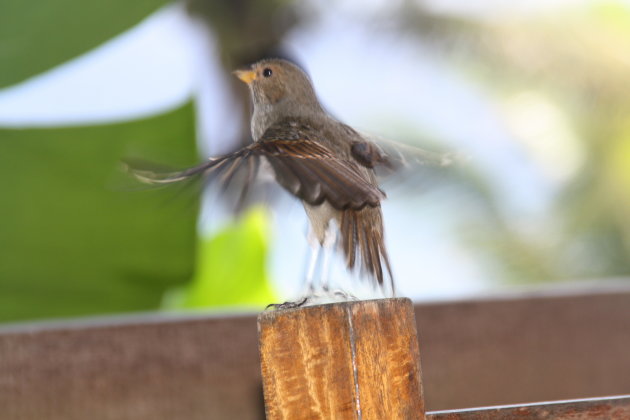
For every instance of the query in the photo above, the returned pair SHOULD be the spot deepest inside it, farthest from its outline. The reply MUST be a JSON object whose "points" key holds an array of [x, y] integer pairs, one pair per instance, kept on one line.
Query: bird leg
{"points": [[308, 291], [318, 269], [328, 245], [314, 260]]}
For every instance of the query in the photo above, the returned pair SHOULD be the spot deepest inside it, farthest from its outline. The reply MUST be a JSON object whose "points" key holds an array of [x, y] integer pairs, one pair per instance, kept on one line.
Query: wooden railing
{"points": [[510, 350]]}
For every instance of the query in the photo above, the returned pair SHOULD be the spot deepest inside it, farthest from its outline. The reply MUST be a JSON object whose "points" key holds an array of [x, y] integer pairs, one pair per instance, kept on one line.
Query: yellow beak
{"points": [[246, 76]]}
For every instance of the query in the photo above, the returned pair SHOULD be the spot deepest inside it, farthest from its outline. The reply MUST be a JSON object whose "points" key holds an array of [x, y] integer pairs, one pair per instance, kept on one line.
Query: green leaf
{"points": [[231, 268], [37, 35], [71, 243]]}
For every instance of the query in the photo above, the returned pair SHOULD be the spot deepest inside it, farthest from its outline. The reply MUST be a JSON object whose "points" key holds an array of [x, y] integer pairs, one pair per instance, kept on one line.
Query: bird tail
{"points": [[363, 243]]}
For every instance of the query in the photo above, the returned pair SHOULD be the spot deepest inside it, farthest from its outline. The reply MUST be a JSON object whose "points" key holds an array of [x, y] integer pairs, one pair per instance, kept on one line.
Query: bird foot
{"points": [[288, 305], [314, 298]]}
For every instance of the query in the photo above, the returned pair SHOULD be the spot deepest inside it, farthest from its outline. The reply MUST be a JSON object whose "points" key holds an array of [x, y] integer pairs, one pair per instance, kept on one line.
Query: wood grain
{"points": [[142, 368], [499, 350], [351, 360], [610, 408]]}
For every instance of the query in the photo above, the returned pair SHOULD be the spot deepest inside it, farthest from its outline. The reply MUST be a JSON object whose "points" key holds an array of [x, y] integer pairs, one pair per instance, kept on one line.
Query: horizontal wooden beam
{"points": [[522, 349], [142, 368], [612, 408], [161, 366]]}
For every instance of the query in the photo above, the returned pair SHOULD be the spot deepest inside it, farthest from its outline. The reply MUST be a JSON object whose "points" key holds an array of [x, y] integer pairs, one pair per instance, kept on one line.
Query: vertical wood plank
{"points": [[350, 360], [388, 358], [306, 363]]}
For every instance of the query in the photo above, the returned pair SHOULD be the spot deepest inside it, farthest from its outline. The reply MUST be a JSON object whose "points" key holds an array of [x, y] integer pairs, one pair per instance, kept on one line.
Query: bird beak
{"points": [[246, 76]]}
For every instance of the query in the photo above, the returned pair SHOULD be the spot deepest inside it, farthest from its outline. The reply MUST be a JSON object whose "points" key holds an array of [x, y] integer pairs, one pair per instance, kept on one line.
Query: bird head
{"points": [[278, 83]]}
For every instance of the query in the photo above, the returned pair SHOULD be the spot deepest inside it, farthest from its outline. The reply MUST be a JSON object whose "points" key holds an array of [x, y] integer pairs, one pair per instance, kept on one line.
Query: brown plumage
{"points": [[323, 162], [286, 107]]}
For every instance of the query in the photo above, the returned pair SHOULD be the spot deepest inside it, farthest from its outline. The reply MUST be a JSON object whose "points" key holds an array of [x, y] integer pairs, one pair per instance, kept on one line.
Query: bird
{"points": [[328, 165]]}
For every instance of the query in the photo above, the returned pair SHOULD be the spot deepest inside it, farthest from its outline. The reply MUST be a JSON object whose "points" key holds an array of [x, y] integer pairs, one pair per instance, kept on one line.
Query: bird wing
{"points": [[300, 164], [388, 156], [310, 171]]}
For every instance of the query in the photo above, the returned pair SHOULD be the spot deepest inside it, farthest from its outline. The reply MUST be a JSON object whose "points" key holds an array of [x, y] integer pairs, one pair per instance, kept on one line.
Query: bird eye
{"points": [[267, 72]]}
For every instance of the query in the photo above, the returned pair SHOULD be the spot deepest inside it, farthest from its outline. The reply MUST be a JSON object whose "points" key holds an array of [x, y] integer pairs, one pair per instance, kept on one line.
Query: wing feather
{"points": [[303, 165], [320, 174], [305, 168]]}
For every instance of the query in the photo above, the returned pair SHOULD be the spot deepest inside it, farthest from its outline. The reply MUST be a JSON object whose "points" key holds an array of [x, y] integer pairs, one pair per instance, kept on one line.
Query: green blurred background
{"points": [[76, 239]]}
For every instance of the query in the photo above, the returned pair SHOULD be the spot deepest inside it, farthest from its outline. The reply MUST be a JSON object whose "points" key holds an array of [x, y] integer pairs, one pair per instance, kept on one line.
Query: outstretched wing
{"points": [[301, 164], [387, 156]]}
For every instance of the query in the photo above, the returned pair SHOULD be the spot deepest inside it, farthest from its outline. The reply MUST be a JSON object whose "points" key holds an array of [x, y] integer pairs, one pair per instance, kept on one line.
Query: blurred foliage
{"points": [[71, 245], [74, 239], [38, 35], [231, 267], [578, 58], [246, 29], [72, 242]]}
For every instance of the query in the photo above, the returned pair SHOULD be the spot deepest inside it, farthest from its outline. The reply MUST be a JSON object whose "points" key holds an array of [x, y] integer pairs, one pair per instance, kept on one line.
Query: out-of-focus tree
{"points": [[578, 60], [245, 31]]}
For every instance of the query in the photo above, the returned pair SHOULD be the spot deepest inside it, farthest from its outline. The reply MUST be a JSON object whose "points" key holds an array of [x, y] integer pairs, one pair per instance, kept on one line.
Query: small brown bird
{"points": [[325, 163]]}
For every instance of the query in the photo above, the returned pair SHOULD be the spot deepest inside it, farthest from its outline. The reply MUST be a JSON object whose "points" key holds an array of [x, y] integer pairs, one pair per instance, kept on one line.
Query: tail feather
{"points": [[362, 239], [348, 238]]}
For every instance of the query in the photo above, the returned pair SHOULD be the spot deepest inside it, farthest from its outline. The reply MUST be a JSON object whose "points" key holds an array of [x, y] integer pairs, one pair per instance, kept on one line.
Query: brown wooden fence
{"points": [[510, 350]]}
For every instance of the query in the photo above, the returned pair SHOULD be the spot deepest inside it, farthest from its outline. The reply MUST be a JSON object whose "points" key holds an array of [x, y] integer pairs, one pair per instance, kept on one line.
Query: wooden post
{"points": [[350, 360]]}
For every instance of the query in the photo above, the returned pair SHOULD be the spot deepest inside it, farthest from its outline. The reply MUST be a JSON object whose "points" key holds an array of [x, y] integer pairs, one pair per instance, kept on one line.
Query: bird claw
{"points": [[287, 305], [329, 296]]}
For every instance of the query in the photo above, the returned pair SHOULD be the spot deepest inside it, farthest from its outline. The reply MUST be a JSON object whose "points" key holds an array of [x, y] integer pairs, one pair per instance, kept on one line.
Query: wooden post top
{"points": [[348, 360]]}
